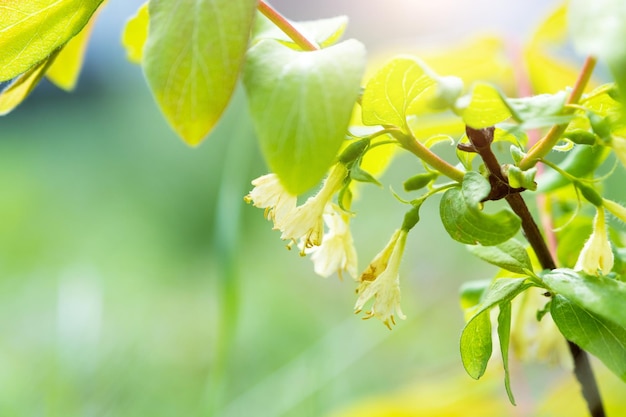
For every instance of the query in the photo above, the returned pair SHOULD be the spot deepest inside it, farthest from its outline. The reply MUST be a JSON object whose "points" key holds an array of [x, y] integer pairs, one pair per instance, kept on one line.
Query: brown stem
{"points": [[481, 143]]}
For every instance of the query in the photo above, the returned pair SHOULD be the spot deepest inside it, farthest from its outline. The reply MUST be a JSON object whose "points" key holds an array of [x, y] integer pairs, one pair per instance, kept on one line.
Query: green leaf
{"points": [[136, 34], [476, 345], [463, 219], [324, 32], [486, 107], [597, 335], [504, 334], [31, 30], [602, 296], [192, 59], [510, 255], [301, 103], [472, 292], [21, 87], [536, 107], [393, 90], [476, 336], [597, 28]]}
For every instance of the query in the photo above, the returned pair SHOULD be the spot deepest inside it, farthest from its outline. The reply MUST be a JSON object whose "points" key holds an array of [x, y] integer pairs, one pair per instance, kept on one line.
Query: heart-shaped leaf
{"points": [[192, 59], [301, 104]]}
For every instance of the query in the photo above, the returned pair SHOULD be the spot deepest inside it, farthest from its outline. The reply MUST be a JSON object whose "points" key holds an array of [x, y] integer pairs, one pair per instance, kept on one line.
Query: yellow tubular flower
{"points": [[596, 256], [337, 252], [381, 280], [305, 222], [268, 193]]}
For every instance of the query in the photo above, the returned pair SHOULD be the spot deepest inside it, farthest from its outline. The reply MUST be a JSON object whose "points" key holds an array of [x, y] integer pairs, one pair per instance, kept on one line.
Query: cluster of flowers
{"points": [[333, 251]]}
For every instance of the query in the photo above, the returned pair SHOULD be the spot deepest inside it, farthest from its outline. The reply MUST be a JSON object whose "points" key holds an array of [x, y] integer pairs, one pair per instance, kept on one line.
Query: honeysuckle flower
{"points": [[268, 193], [337, 252], [305, 223], [537, 341], [615, 209], [619, 147], [596, 256], [381, 280]]}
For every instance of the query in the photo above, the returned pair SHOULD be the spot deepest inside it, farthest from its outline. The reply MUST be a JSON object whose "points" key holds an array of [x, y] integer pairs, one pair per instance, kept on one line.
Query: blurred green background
{"points": [[134, 281]]}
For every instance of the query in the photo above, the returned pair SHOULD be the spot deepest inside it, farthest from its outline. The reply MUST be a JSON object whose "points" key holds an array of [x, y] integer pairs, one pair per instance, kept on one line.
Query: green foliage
{"points": [[192, 59], [603, 338], [510, 255], [31, 30], [476, 344], [300, 135], [463, 219], [486, 107], [324, 32]]}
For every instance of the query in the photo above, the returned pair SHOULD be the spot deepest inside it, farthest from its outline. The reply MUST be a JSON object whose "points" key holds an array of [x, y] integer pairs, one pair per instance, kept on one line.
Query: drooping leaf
{"points": [[31, 30], [66, 67], [136, 34], [476, 336], [301, 104], [601, 337], [324, 32], [192, 59], [476, 346], [485, 108], [601, 296], [510, 255], [597, 28], [390, 93], [463, 219], [504, 334], [21, 87]]}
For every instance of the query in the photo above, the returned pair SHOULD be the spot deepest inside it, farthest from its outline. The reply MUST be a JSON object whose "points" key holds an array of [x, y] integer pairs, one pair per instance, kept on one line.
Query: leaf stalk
{"points": [[287, 28]]}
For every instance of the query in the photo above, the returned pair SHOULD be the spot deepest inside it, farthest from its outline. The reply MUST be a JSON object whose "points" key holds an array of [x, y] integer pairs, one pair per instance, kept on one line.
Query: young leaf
{"points": [[464, 220], [510, 255], [476, 345], [486, 107], [601, 296], [476, 336], [136, 34], [21, 87], [324, 32], [192, 58], [301, 104], [597, 335], [389, 94], [66, 67], [504, 334], [31, 30]]}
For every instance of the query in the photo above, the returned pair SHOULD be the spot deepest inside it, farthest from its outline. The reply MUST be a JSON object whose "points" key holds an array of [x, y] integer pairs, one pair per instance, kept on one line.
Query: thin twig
{"points": [[284, 25]]}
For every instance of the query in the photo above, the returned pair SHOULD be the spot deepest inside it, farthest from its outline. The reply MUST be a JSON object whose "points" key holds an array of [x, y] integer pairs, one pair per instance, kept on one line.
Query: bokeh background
{"points": [[134, 281]]}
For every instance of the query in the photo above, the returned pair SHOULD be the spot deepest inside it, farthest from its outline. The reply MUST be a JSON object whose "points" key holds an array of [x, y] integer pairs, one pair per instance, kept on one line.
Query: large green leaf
{"points": [[463, 219], [510, 255], [391, 92], [476, 344], [485, 108], [602, 296], [597, 335], [31, 30], [301, 103], [192, 59]]}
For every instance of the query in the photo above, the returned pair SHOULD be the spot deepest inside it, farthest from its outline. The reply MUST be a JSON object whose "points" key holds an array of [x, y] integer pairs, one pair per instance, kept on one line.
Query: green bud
{"points": [[580, 137], [589, 193], [517, 154], [600, 126], [419, 181], [412, 217], [521, 179], [353, 151]]}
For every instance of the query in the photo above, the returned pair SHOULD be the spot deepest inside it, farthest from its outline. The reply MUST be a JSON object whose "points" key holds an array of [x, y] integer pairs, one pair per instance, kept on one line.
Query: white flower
{"points": [[337, 252], [381, 280], [268, 193], [596, 256], [537, 341], [305, 222]]}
